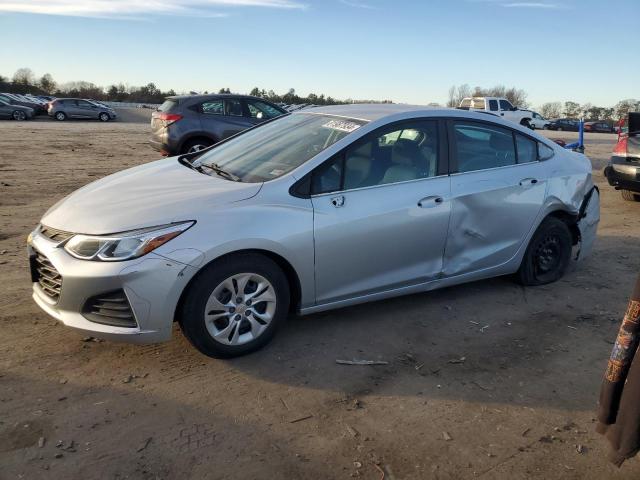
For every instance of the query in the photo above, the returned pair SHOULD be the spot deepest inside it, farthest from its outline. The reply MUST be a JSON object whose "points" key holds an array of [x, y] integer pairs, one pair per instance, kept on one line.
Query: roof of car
{"points": [[372, 111], [214, 95]]}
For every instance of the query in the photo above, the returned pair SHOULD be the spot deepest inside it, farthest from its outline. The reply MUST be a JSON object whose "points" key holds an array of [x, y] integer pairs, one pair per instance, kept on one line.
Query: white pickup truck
{"points": [[500, 107]]}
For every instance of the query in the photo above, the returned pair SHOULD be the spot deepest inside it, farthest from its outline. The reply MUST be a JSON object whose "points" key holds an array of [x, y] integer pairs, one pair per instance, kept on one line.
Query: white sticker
{"points": [[276, 172], [342, 125]]}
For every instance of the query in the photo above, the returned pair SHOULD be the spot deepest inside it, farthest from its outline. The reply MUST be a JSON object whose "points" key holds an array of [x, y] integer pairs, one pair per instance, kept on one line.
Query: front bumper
{"points": [[152, 285], [623, 174]]}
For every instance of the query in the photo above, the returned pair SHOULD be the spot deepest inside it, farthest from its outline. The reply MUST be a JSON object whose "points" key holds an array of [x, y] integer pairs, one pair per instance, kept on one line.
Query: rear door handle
{"points": [[528, 181], [430, 201]]}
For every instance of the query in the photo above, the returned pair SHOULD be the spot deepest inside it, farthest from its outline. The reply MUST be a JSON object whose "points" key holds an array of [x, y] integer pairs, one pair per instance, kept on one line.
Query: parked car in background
{"points": [[500, 107], [601, 127], [15, 112], [189, 123], [13, 99], [64, 108], [538, 121], [564, 124], [317, 210], [623, 171]]}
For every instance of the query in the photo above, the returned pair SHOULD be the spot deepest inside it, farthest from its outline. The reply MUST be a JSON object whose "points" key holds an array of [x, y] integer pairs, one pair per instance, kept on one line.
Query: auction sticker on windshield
{"points": [[342, 125]]}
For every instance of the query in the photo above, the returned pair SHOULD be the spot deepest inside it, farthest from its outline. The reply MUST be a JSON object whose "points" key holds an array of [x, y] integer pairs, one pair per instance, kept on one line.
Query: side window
{"points": [[527, 149], [493, 105], [213, 107], [233, 107], [505, 105], [544, 152], [397, 154], [328, 176], [479, 146], [262, 110]]}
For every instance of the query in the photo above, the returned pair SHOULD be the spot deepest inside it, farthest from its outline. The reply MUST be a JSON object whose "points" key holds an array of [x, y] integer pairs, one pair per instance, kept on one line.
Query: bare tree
{"points": [[457, 93], [47, 83], [551, 110], [623, 107], [571, 109], [24, 76]]}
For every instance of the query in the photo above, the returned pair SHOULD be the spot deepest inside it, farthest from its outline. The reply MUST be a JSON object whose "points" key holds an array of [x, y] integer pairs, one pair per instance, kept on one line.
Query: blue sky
{"points": [[408, 51]]}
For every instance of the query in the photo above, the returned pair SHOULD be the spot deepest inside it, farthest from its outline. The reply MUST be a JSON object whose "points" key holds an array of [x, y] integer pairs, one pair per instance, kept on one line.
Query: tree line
{"points": [[25, 81], [550, 110]]}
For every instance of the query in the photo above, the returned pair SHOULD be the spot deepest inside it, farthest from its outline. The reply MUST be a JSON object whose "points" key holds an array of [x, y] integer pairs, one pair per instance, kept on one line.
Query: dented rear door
{"points": [[492, 209]]}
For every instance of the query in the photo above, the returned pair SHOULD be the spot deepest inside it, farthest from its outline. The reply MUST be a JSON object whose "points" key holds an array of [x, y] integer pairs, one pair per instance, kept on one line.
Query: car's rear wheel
{"points": [[235, 305], [104, 117], [630, 196], [60, 116], [19, 115], [547, 255], [196, 145]]}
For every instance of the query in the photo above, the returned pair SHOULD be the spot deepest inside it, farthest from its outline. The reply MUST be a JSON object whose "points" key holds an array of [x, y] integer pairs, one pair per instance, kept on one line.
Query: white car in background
{"points": [[538, 121], [498, 106]]}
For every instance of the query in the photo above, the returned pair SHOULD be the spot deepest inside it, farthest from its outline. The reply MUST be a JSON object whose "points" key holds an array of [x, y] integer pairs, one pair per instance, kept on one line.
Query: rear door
{"points": [[222, 118], [5, 110], [497, 190]]}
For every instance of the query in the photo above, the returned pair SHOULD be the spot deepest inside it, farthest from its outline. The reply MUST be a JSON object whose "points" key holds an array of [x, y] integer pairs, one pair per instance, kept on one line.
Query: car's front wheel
{"points": [[547, 255], [525, 123], [104, 117], [630, 196], [235, 305], [19, 115]]}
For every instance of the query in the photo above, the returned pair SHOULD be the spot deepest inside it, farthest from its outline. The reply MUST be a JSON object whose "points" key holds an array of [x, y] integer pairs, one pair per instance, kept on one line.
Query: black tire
{"points": [[199, 143], [104, 117], [192, 313], [60, 116], [630, 196], [19, 115], [559, 129], [547, 254], [525, 123]]}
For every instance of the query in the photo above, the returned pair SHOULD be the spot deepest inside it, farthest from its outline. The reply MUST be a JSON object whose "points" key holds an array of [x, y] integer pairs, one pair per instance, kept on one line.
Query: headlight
{"points": [[123, 246]]}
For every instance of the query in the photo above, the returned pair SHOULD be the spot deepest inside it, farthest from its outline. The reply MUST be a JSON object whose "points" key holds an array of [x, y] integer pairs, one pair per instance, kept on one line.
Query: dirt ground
{"points": [[485, 380]]}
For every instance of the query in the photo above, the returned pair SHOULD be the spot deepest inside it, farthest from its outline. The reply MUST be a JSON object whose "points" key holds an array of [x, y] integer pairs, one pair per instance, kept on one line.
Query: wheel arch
{"points": [[571, 220], [293, 279]]}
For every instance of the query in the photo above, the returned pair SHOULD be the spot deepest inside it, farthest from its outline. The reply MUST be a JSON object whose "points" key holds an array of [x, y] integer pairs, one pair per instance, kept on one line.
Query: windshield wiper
{"points": [[220, 171]]}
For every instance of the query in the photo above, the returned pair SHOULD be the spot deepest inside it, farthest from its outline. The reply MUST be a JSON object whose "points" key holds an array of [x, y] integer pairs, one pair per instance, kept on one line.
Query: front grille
{"points": [[110, 309], [54, 234], [46, 275]]}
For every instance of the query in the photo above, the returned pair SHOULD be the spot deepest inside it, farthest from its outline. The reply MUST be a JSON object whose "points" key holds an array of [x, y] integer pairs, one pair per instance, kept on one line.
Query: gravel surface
{"points": [[485, 380]]}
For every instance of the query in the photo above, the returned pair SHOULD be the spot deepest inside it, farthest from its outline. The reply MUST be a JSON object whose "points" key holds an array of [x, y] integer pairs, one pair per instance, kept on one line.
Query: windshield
{"points": [[278, 147]]}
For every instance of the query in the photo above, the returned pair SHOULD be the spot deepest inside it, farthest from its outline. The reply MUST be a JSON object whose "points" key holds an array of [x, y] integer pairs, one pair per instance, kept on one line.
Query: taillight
{"points": [[166, 118], [620, 150]]}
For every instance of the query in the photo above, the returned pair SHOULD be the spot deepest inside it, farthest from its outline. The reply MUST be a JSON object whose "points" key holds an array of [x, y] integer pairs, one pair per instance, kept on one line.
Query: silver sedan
{"points": [[316, 210]]}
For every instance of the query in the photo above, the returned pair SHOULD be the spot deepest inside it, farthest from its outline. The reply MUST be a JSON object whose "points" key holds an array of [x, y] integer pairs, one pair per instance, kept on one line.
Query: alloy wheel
{"points": [[240, 309], [19, 115], [196, 148]]}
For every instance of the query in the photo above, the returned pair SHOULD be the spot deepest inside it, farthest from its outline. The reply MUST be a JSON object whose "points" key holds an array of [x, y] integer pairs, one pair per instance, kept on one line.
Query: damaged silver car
{"points": [[315, 210]]}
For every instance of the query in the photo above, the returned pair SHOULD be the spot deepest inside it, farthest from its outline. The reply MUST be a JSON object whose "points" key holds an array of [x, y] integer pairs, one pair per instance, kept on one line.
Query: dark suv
{"points": [[566, 124], [189, 123]]}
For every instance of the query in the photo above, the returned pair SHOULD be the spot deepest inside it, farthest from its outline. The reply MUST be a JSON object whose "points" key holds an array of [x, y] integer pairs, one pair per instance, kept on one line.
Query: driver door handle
{"points": [[528, 181], [337, 201], [430, 201]]}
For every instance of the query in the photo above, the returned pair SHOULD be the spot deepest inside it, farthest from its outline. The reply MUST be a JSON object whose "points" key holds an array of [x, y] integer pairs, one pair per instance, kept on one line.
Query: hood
{"points": [[153, 194]]}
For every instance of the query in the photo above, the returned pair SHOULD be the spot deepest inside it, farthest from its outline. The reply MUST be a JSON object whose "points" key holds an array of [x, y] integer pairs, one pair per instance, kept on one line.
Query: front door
{"points": [[496, 195], [381, 210]]}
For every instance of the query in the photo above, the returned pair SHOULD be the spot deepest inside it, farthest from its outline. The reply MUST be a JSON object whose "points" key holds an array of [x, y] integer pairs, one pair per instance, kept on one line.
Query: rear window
{"points": [[477, 103], [168, 105]]}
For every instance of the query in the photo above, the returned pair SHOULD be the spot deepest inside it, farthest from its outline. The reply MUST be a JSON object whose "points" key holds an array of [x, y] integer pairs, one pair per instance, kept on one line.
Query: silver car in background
{"points": [[312, 211], [63, 108]]}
